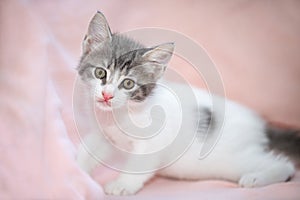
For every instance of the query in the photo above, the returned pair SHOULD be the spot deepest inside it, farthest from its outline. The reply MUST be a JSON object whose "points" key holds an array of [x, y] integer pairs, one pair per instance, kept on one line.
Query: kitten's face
{"points": [[118, 69], [113, 82], [110, 88]]}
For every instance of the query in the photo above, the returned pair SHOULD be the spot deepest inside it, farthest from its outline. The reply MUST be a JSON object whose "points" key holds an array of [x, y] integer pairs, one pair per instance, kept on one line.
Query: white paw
{"points": [[121, 188], [251, 180]]}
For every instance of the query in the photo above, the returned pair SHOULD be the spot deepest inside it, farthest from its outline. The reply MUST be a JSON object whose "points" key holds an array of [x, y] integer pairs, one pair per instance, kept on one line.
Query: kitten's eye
{"points": [[100, 73], [128, 84]]}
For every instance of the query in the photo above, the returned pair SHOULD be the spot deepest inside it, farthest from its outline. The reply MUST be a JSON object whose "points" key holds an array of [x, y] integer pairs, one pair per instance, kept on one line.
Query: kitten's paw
{"points": [[266, 177], [251, 180], [121, 188]]}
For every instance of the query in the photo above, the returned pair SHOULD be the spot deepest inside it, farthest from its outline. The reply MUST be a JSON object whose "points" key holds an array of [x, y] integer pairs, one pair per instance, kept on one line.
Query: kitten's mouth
{"points": [[103, 105], [103, 102]]}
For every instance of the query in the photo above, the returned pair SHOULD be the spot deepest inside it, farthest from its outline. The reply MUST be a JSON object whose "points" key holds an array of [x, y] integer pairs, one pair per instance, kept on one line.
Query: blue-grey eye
{"points": [[128, 84], [100, 73]]}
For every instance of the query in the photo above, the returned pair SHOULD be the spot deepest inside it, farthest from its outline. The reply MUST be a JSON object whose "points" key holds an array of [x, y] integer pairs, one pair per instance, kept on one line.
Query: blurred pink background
{"points": [[254, 44]]}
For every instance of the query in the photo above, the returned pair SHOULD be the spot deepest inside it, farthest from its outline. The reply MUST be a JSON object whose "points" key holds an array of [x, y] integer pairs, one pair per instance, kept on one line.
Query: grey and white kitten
{"points": [[119, 72]]}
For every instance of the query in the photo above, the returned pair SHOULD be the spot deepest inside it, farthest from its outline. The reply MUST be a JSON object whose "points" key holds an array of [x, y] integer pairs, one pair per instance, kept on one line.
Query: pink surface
{"points": [[255, 45]]}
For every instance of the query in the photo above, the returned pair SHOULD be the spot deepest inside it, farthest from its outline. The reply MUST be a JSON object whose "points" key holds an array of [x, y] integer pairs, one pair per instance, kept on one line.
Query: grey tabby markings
{"points": [[122, 56], [206, 120], [142, 92], [286, 141]]}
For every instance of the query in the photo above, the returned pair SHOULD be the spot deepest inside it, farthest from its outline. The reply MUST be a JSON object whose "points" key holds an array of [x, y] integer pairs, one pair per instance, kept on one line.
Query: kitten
{"points": [[120, 72]]}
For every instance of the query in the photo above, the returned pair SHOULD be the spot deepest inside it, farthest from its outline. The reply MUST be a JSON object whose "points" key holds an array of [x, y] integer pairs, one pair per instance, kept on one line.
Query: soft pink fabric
{"points": [[36, 156], [255, 45]]}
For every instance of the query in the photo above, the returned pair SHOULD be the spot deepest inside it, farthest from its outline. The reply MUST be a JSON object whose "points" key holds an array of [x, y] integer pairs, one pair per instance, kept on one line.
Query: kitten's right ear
{"points": [[98, 32]]}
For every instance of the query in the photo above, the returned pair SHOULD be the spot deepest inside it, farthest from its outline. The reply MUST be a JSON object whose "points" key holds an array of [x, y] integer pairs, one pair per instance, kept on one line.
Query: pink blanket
{"points": [[40, 46]]}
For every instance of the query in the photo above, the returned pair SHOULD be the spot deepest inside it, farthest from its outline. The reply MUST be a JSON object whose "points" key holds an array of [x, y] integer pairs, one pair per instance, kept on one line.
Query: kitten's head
{"points": [[118, 69]]}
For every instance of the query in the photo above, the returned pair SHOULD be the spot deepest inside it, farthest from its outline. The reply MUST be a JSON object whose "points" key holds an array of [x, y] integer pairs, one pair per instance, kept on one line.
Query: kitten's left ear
{"points": [[155, 61], [98, 31], [160, 54]]}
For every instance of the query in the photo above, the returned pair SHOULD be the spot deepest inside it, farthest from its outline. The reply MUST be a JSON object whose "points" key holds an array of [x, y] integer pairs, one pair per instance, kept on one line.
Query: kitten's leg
{"points": [[127, 184], [274, 169], [90, 148]]}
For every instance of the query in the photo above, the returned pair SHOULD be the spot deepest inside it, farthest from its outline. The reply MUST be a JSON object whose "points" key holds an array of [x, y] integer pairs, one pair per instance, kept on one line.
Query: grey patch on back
{"points": [[284, 141], [205, 122]]}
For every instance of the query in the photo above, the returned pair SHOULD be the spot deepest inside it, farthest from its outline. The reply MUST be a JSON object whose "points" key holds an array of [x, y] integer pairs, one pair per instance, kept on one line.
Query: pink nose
{"points": [[107, 96]]}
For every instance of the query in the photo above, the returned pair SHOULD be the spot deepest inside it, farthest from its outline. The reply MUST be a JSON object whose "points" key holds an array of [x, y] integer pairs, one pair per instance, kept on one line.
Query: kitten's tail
{"points": [[286, 141]]}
